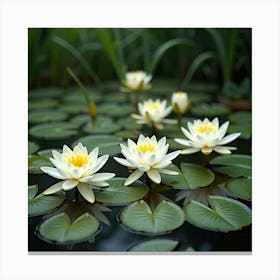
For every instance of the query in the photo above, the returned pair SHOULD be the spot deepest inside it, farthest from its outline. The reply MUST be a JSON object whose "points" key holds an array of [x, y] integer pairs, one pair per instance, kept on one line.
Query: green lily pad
{"points": [[47, 153], [77, 97], [108, 144], [45, 92], [128, 123], [139, 217], [155, 245], [244, 128], [46, 116], [74, 108], [32, 147], [226, 214], [115, 97], [118, 194], [240, 117], [234, 165], [210, 110], [53, 130], [80, 119], [42, 204], [35, 162], [60, 229], [192, 177], [42, 104], [113, 109], [101, 125], [241, 187], [127, 134]]}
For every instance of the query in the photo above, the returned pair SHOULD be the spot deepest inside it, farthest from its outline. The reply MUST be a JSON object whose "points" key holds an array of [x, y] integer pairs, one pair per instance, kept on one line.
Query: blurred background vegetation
{"points": [[186, 55]]}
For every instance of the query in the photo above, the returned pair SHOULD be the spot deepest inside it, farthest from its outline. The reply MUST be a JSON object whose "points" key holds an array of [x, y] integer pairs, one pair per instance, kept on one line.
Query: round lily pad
{"points": [[46, 116], [118, 194], [45, 92], [225, 215], [42, 104], [113, 109], [198, 97], [74, 108], [210, 110], [53, 130], [108, 144], [128, 123], [101, 125], [155, 245], [42, 204], [35, 162], [47, 153], [192, 177], [139, 217], [233, 165], [240, 117], [127, 134], [241, 187], [115, 97], [32, 147], [244, 128], [60, 229]]}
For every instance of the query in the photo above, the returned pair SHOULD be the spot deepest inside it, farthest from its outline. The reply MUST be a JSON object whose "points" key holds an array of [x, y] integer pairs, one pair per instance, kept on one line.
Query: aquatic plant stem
{"points": [[206, 160], [76, 193], [179, 119], [136, 100]]}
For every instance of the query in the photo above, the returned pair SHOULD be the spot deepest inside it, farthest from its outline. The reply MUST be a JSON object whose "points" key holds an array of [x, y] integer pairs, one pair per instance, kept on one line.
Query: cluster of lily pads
{"points": [[155, 152]]}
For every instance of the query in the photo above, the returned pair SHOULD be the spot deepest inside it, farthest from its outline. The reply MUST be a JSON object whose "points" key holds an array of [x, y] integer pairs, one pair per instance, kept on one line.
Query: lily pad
{"points": [[226, 214], [244, 128], [234, 165], [128, 123], [60, 229], [42, 104], [198, 97], [240, 117], [127, 134], [155, 245], [101, 125], [210, 110], [139, 217], [46, 92], [42, 204], [108, 144], [46, 116], [53, 130], [118, 194], [32, 147], [113, 109], [47, 153], [35, 162], [74, 108], [241, 187], [115, 97], [192, 177]]}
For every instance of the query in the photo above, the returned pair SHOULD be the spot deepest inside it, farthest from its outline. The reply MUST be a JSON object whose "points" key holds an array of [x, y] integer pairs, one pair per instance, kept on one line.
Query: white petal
{"points": [[76, 172], [93, 154], [56, 155], [100, 184], [100, 177], [190, 151], [169, 172], [162, 164], [222, 150], [143, 168], [172, 155], [223, 129], [87, 192], [187, 134], [66, 149], [154, 175], [123, 162], [182, 141], [52, 172], [54, 188], [100, 163], [69, 184], [133, 177], [229, 138], [206, 151]]}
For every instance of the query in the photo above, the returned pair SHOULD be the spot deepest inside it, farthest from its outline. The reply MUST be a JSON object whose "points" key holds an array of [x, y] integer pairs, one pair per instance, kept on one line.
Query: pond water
{"points": [[59, 116]]}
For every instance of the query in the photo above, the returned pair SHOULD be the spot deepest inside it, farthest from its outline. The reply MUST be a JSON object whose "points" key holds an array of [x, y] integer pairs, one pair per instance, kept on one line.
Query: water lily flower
{"points": [[77, 168], [152, 112], [136, 81], [206, 136], [147, 156], [180, 102]]}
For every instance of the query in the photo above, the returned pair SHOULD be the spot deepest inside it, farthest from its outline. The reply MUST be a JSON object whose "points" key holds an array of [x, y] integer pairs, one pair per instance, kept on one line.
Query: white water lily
{"points": [[152, 112], [77, 168], [180, 102], [147, 156], [206, 136], [136, 81]]}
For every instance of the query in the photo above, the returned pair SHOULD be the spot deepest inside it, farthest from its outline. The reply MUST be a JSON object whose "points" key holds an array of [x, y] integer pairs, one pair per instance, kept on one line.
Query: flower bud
{"points": [[180, 102]]}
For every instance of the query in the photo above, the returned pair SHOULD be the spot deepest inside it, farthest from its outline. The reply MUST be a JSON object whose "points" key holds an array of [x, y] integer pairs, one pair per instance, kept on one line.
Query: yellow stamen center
{"points": [[78, 160], [153, 106], [143, 148], [204, 128]]}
